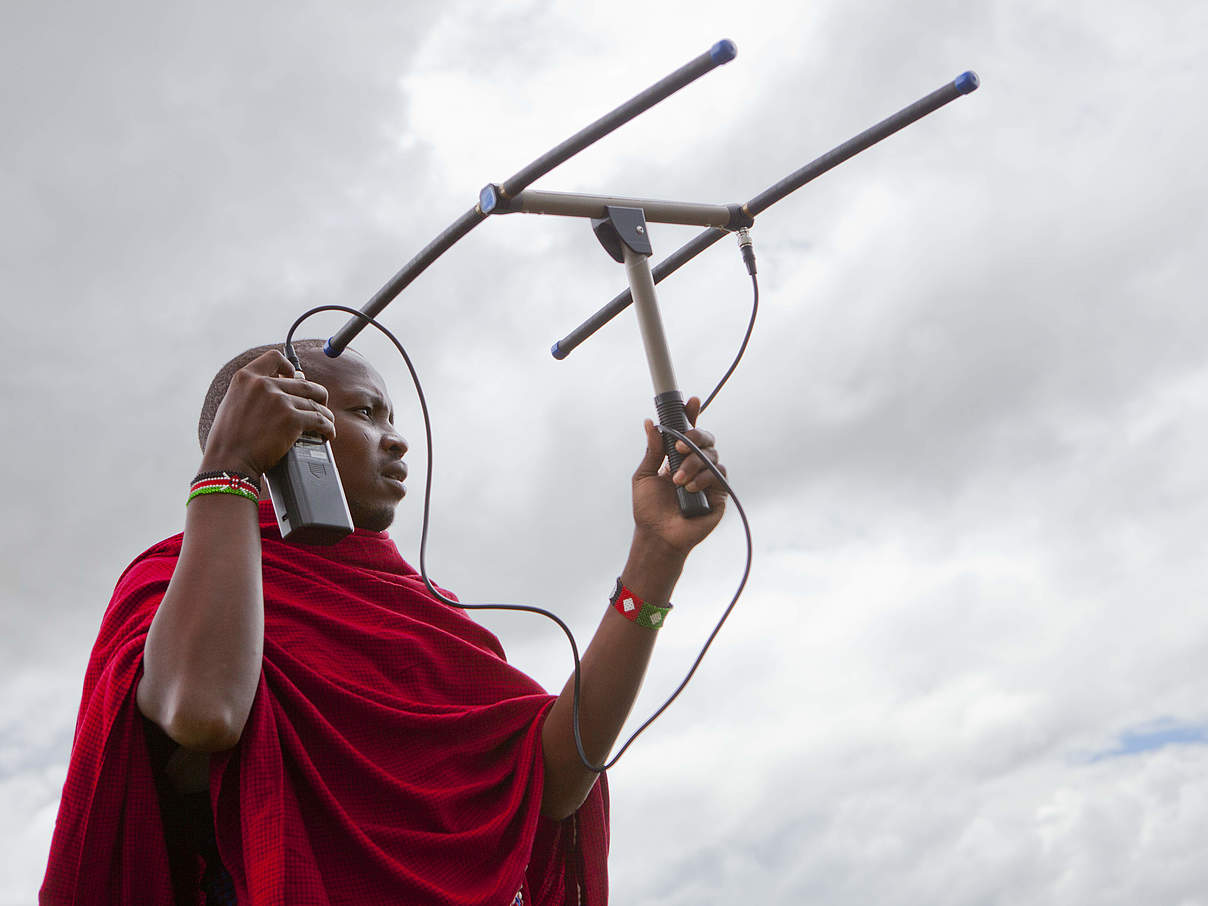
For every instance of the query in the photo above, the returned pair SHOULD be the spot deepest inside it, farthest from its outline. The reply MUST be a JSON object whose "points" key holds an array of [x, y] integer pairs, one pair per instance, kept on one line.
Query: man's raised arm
{"points": [[202, 660], [615, 661]]}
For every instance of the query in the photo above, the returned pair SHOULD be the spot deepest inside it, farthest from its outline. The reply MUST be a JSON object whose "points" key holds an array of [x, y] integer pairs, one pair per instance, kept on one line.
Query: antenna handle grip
{"points": [[670, 408]]}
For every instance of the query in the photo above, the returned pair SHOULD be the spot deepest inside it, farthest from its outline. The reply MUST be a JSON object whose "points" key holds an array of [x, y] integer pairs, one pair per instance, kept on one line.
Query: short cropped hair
{"points": [[222, 381]]}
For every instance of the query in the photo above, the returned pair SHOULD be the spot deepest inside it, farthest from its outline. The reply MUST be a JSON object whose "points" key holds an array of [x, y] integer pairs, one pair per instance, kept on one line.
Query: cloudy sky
{"points": [[970, 664]]}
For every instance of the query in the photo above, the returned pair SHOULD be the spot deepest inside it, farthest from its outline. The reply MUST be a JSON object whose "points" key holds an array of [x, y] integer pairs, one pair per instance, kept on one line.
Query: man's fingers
{"points": [[702, 439], [311, 405], [274, 364], [314, 417], [270, 364], [303, 388], [694, 475], [320, 424], [692, 409]]}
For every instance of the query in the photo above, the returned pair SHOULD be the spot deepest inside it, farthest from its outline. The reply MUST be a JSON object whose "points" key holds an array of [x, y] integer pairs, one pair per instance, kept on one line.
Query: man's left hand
{"points": [[656, 512]]}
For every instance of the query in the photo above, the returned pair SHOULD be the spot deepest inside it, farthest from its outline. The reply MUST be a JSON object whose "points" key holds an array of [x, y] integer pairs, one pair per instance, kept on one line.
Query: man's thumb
{"points": [[653, 457]]}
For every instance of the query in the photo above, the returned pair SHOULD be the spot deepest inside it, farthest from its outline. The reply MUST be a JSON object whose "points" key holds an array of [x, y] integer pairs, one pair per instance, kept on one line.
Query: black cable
{"points": [[528, 608], [743, 348], [747, 248]]}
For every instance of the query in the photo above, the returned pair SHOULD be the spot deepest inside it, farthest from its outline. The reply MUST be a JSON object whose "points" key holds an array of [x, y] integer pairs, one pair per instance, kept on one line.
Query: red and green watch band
{"points": [[635, 610]]}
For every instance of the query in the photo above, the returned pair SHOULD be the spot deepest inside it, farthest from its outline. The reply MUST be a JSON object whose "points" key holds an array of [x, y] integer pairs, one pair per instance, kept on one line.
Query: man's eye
{"points": [[368, 410]]}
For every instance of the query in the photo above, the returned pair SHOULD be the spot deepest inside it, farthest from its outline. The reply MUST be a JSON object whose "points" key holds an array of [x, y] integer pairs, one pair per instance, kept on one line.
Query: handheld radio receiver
{"points": [[305, 489], [307, 495]]}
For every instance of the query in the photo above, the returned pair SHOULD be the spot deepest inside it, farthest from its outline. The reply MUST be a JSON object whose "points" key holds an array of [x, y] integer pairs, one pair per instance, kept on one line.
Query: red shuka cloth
{"points": [[391, 754]]}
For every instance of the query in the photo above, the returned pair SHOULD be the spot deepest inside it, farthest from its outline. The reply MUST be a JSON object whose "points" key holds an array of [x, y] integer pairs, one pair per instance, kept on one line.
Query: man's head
{"points": [[367, 448]]}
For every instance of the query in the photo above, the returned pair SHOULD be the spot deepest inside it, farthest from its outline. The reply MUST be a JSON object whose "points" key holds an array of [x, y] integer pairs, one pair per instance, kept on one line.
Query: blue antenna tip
{"points": [[967, 82], [488, 198], [330, 351], [556, 351], [723, 51]]}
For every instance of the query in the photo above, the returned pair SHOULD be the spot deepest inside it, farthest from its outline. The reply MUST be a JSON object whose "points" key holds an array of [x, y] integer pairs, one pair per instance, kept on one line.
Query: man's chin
{"points": [[376, 520]]}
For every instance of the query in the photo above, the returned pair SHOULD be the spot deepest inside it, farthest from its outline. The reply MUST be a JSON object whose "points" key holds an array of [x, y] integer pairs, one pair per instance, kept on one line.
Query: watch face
{"points": [[616, 591]]}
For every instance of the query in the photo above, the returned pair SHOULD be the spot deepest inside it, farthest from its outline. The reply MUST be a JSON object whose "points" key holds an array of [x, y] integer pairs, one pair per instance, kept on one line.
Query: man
{"points": [[273, 723]]}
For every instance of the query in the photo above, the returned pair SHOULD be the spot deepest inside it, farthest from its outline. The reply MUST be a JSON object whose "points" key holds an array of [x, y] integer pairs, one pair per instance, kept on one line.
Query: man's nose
{"points": [[394, 442]]}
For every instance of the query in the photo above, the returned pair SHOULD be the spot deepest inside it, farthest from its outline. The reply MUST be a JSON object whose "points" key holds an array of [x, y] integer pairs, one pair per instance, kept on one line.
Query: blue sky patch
{"points": [[1153, 736]]}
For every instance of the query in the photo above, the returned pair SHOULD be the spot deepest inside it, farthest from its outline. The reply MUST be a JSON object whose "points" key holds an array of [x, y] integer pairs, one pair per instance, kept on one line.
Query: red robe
{"points": [[391, 754]]}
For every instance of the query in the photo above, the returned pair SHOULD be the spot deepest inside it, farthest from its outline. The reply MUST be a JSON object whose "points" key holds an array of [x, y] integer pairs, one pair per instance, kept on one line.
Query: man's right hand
{"points": [[266, 409]]}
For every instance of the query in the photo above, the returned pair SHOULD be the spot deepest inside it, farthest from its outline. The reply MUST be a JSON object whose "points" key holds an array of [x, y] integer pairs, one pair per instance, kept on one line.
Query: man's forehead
{"points": [[348, 372]]}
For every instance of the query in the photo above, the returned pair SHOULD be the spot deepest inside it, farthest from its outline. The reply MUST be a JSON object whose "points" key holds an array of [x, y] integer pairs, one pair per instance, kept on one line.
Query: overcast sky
{"points": [[970, 430]]}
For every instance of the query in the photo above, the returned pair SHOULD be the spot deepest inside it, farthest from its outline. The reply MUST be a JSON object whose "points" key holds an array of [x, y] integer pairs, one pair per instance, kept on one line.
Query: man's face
{"points": [[368, 449]]}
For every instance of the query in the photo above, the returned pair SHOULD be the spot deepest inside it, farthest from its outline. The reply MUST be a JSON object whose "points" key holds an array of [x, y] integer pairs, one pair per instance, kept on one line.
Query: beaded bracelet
{"points": [[635, 610], [224, 483]]}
